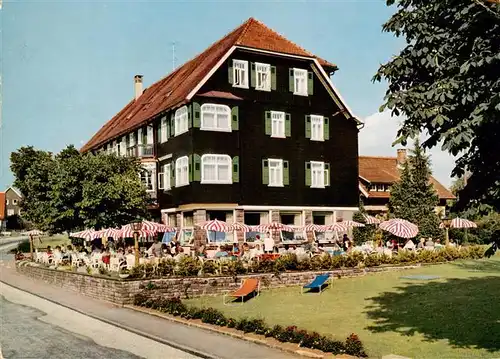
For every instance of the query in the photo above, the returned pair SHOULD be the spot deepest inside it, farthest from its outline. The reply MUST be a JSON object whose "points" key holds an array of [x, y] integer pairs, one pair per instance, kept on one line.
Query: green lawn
{"points": [[457, 316]]}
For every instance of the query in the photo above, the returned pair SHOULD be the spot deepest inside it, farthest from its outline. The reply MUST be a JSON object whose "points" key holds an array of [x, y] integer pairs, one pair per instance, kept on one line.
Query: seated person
{"points": [[221, 252]]}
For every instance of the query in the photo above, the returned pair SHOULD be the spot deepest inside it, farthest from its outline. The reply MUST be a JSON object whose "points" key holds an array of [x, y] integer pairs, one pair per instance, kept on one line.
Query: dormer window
{"points": [[240, 73]]}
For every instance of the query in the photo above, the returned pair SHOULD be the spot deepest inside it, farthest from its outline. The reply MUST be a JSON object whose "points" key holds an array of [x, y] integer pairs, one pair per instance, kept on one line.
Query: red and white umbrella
{"points": [[128, 232], [350, 224], [371, 219], [336, 227], [32, 233], [274, 227], [460, 223], [216, 226], [241, 227], [86, 234], [400, 228], [315, 228], [109, 232]]}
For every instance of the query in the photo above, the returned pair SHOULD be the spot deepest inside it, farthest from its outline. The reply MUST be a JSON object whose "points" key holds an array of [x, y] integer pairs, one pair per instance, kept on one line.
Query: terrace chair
{"points": [[317, 283], [248, 287]]}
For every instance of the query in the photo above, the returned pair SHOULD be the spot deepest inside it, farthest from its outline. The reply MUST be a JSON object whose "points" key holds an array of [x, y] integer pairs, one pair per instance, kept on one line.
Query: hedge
{"points": [[189, 266], [291, 334]]}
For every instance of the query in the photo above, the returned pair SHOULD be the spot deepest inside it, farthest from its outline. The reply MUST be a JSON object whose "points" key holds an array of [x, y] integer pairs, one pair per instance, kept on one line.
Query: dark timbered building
{"points": [[251, 130]]}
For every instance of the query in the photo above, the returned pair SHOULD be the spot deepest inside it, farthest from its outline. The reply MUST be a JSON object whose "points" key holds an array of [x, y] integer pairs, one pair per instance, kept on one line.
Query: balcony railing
{"points": [[140, 151]]}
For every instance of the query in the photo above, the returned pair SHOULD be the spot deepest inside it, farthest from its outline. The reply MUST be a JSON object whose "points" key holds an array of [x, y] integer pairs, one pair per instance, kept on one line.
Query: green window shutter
{"points": [[288, 125], [308, 174], [196, 115], [190, 168], [286, 173], [197, 168], [273, 78], [310, 82], [265, 172], [172, 124], [253, 75], [190, 115], [168, 128], [235, 118], [291, 82], [327, 174], [230, 72], [172, 174], [326, 129], [308, 126], [268, 125], [236, 169]]}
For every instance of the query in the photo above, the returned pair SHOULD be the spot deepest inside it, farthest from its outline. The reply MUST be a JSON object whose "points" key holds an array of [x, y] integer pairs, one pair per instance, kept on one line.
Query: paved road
{"points": [[32, 327]]}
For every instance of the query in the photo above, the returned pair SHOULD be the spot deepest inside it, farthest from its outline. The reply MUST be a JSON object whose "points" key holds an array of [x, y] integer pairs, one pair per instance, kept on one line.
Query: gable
{"points": [[179, 87]]}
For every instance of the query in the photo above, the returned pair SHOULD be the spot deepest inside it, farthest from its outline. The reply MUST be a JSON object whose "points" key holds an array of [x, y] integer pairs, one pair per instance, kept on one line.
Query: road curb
{"points": [[121, 326]]}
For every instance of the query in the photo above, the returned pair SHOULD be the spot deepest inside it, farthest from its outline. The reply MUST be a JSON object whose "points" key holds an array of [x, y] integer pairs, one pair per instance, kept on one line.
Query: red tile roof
{"points": [[385, 170], [2, 205], [172, 90]]}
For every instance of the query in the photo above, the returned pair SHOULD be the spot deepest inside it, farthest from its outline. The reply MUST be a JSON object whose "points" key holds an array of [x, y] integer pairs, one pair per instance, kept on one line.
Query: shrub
{"points": [[287, 261], [208, 267], [304, 264], [352, 260], [256, 326], [213, 316], [337, 262], [372, 260], [167, 267], [188, 266], [354, 346], [235, 267]]}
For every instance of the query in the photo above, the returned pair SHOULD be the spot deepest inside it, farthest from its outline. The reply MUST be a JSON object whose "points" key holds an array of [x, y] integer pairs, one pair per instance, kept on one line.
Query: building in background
{"points": [[251, 130], [3, 216], [377, 174]]}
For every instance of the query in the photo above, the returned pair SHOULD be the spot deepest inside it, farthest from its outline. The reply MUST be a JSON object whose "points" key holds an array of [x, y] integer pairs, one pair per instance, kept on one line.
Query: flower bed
{"points": [[291, 334]]}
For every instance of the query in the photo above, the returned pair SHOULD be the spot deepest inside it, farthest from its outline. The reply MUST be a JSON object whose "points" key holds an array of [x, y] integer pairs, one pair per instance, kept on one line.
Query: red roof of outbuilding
{"points": [[172, 90], [2, 205], [385, 170]]}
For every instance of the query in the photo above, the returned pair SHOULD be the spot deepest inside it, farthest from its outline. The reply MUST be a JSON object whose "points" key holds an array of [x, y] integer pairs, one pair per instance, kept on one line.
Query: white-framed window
{"points": [[215, 117], [164, 177], [240, 73], [262, 76], [14, 202], [216, 169], [317, 174], [163, 130], [147, 179], [275, 173], [300, 82], [317, 128], [182, 171], [10, 212], [7, 202], [277, 124], [181, 120]]}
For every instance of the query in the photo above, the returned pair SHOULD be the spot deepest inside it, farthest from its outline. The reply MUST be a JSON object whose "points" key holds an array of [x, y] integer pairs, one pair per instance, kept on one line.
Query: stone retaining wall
{"points": [[123, 291]]}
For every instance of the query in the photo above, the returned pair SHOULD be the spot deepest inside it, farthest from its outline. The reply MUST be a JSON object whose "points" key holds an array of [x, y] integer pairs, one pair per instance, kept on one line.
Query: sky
{"points": [[67, 66]]}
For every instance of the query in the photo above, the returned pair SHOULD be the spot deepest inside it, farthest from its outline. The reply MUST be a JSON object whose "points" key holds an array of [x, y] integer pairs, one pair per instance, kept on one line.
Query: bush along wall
{"points": [[174, 306], [190, 267]]}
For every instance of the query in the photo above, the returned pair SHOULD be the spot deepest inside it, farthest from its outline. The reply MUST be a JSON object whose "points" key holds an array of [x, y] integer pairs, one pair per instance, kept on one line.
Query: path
{"points": [[194, 340]]}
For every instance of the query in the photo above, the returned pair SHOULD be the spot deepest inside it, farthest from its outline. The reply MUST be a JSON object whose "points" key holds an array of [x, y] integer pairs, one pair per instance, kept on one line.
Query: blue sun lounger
{"points": [[317, 283]]}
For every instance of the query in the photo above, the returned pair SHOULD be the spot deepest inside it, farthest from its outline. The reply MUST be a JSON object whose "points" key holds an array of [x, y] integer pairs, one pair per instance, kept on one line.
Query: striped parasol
{"points": [[32, 233], [336, 227], [371, 219], [350, 224], [128, 232], [241, 227], [109, 232], [216, 226], [460, 223], [400, 228], [274, 227], [315, 228], [86, 234]]}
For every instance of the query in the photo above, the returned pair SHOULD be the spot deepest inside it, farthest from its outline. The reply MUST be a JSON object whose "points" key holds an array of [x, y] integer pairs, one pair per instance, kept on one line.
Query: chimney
{"points": [[401, 158], [138, 86]]}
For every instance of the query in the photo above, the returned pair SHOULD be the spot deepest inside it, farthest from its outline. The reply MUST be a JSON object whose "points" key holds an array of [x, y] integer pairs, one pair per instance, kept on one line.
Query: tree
{"points": [[413, 197], [446, 82], [362, 234], [72, 191]]}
